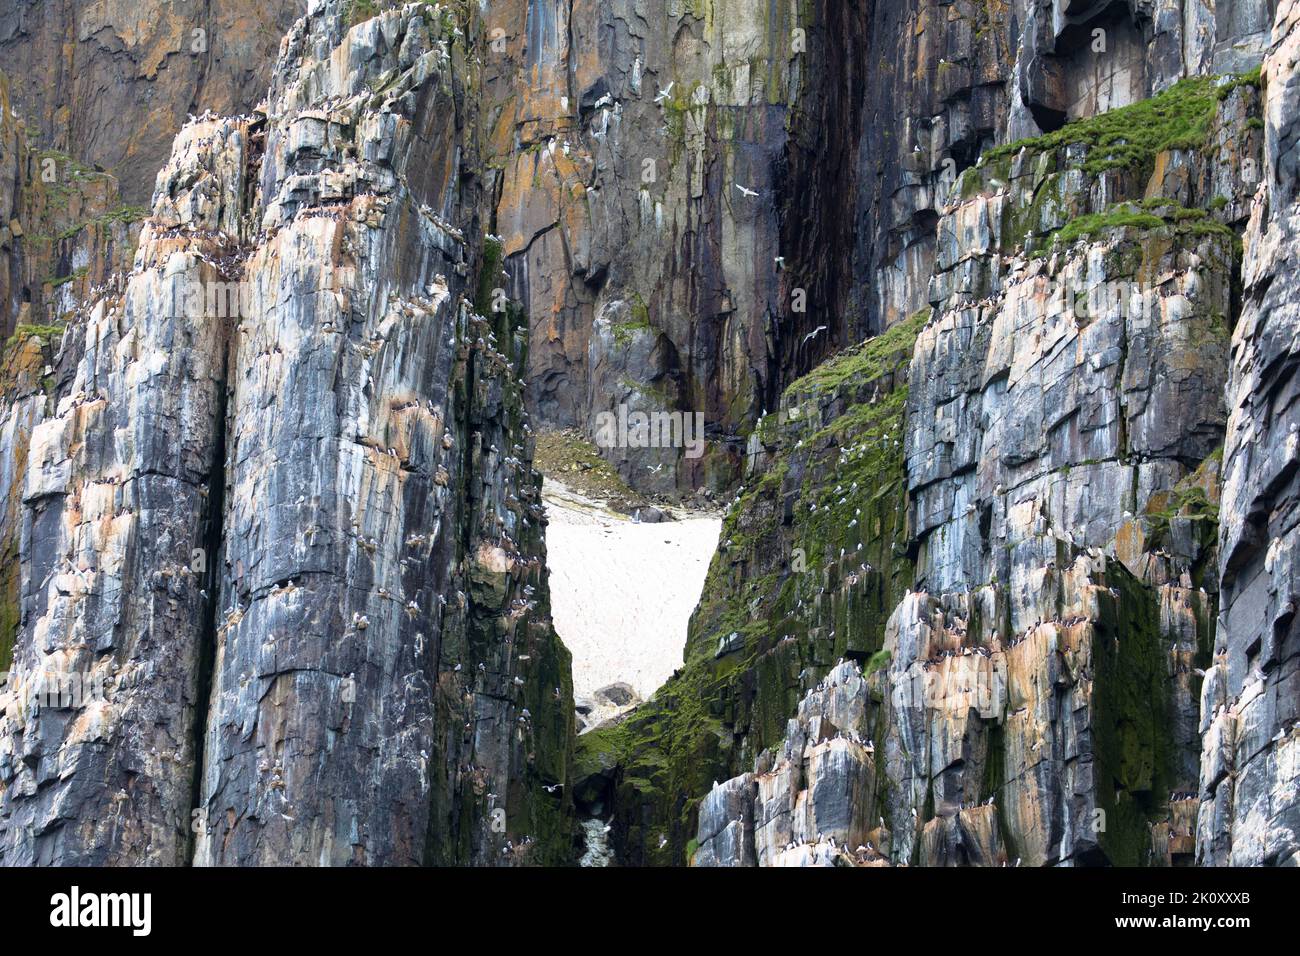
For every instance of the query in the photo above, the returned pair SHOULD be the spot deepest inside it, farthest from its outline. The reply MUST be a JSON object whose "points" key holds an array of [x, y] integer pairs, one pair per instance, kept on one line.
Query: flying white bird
{"points": [[747, 193], [814, 333]]}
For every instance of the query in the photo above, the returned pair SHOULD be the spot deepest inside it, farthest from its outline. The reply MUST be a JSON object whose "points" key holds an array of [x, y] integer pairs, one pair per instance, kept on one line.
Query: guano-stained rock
{"points": [[282, 517], [1250, 704]]}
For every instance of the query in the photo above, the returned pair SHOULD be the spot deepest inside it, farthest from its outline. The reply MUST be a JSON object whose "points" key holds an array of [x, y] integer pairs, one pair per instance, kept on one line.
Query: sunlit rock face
{"points": [[645, 155], [809, 800], [677, 168], [280, 514], [1250, 701], [673, 175], [969, 77]]}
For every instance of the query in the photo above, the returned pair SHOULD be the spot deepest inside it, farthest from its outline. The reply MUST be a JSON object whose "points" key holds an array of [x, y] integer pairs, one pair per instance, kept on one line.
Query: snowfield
{"points": [[622, 592]]}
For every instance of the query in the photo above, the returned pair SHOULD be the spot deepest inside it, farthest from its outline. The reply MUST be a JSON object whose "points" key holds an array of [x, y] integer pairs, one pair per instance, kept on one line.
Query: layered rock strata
{"points": [[280, 519], [1062, 438], [111, 81], [1250, 700]]}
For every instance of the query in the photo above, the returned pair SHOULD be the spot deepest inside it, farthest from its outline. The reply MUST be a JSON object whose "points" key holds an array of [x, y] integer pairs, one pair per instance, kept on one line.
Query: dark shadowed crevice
{"points": [[213, 534]]}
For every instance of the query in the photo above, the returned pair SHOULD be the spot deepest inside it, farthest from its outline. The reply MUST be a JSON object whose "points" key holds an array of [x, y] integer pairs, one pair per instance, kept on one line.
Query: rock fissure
{"points": [[210, 555]]}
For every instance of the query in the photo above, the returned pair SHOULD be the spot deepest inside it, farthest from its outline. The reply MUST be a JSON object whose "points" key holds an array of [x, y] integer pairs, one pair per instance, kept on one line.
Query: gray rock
{"points": [[1250, 708], [617, 694], [307, 532]]}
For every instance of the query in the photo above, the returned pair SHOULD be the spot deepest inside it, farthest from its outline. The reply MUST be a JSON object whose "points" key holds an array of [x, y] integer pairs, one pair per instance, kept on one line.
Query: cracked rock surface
{"points": [[279, 512]]}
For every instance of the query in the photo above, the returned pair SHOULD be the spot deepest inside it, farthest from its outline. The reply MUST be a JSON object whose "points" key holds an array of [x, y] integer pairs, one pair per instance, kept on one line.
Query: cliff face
{"points": [[650, 156], [951, 81], [65, 229], [1250, 701], [667, 177], [811, 561], [1036, 696], [698, 202], [111, 82], [1008, 581], [279, 522]]}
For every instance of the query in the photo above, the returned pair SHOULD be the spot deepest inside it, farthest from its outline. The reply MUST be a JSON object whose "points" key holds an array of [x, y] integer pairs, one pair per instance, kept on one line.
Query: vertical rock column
{"points": [[1250, 701], [114, 509], [385, 686], [281, 520]]}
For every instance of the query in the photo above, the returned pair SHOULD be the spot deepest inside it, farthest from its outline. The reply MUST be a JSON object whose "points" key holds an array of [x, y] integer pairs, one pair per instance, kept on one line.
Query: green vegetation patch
{"points": [[1150, 214], [1255, 79], [359, 11], [625, 332], [1132, 136], [568, 457], [864, 362], [123, 214], [1132, 719], [46, 333], [777, 607]]}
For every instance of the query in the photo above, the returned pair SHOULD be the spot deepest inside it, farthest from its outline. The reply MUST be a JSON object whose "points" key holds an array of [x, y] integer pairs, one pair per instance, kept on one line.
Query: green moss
{"points": [[70, 169], [46, 333], [1119, 217], [1132, 136], [1156, 213], [625, 332], [8, 633], [56, 282], [124, 214], [489, 275], [1254, 79], [779, 588], [667, 749], [359, 11], [865, 361], [971, 184], [1132, 718], [880, 661], [1193, 505]]}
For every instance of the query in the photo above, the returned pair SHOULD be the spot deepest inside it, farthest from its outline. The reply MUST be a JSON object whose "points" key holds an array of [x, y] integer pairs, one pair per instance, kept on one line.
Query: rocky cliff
{"points": [[1036, 693], [985, 305], [648, 156], [1250, 704], [283, 596], [110, 82], [673, 175]]}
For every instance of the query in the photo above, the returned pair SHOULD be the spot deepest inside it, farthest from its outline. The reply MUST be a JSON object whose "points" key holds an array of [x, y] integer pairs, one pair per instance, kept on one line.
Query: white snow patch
{"points": [[622, 592]]}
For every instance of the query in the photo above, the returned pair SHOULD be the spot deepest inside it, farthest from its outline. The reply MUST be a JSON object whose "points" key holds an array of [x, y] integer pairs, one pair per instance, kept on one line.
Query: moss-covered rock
{"points": [[812, 559]]}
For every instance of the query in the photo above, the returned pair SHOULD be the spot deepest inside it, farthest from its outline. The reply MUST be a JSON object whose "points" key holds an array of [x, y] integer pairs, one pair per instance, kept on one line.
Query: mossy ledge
{"points": [[1148, 215], [1131, 137]]}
